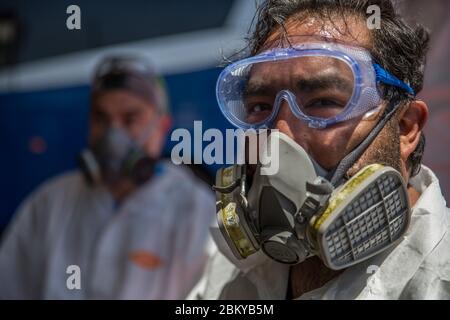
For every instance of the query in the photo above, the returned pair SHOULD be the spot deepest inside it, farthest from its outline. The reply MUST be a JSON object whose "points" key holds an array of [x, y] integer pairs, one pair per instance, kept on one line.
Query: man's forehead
{"points": [[352, 30]]}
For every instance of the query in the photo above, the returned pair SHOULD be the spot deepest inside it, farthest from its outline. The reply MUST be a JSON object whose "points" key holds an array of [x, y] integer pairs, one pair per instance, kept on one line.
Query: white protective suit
{"points": [[153, 246], [417, 268]]}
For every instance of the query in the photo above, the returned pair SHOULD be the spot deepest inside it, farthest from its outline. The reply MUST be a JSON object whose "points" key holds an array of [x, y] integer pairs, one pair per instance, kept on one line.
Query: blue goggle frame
{"points": [[366, 96]]}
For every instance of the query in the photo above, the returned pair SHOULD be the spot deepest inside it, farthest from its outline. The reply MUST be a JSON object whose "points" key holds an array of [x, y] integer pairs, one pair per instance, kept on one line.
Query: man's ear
{"points": [[411, 122], [166, 123], [156, 143]]}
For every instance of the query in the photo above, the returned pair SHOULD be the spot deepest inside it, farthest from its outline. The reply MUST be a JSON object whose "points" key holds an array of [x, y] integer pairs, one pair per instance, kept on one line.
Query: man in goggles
{"points": [[351, 212]]}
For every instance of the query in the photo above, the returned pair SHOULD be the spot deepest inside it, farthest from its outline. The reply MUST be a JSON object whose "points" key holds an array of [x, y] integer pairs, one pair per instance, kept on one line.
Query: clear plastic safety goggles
{"points": [[323, 83]]}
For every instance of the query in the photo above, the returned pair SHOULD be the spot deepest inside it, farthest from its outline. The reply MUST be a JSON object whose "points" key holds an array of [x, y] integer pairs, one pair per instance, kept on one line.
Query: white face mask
{"points": [[296, 213], [119, 155], [116, 155]]}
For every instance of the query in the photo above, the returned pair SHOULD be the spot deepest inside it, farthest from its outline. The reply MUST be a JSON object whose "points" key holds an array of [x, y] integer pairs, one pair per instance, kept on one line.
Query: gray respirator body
{"points": [[114, 156], [293, 214]]}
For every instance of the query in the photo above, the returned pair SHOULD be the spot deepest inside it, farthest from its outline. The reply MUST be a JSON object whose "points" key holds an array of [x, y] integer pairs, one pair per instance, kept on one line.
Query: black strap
{"points": [[345, 164]]}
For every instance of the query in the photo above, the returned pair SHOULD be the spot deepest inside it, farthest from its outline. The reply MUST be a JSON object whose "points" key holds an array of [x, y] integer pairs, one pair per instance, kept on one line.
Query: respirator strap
{"points": [[350, 159]]}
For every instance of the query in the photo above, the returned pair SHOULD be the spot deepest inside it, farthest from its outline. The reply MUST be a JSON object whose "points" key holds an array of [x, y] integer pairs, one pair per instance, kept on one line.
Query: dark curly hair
{"points": [[397, 46]]}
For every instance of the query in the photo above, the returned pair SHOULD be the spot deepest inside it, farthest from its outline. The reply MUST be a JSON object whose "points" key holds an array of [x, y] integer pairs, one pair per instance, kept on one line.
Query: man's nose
{"points": [[287, 123], [285, 120], [115, 122]]}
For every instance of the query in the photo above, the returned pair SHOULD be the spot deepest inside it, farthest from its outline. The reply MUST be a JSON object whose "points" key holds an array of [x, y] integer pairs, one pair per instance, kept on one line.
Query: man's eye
{"points": [[130, 119], [323, 103], [258, 107], [99, 117]]}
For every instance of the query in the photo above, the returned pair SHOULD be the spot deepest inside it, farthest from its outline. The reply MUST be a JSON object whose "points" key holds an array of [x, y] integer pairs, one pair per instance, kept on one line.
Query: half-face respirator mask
{"points": [[117, 155], [296, 212]]}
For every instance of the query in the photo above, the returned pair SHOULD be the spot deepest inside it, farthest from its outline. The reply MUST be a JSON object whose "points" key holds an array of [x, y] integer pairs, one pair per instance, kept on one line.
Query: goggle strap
{"points": [[381, 75]]}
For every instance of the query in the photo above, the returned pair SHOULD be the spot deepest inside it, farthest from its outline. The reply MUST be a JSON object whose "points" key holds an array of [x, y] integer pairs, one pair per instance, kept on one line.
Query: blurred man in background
{"points": [[128, 225]]}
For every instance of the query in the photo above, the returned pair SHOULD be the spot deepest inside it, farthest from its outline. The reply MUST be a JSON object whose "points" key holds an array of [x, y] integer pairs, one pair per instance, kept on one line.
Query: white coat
{"points": [[152, 246], [417, 268]]}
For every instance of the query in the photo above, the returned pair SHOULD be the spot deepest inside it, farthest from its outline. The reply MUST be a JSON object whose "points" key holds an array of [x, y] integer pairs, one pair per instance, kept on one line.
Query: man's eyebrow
{"points": [[257, 89], [95, 108], [324, 83], [307, 85]]}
